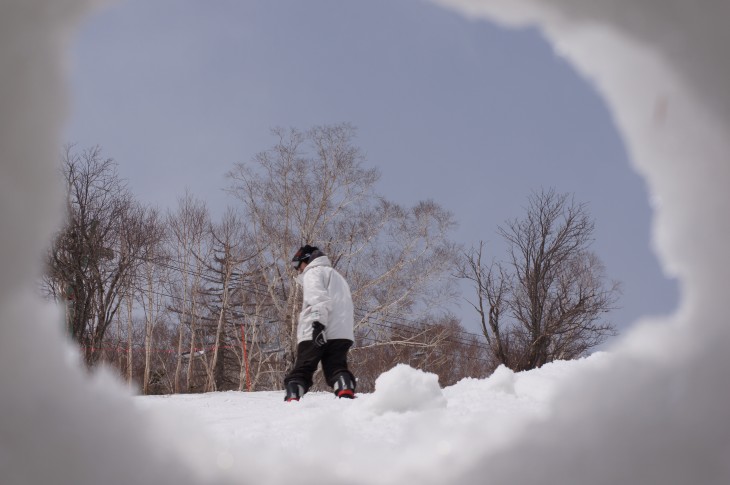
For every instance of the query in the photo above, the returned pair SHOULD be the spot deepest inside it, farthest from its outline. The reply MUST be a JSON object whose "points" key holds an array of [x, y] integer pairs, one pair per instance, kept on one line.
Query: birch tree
{"points": [[153, 276], [187, 228], [230, 250], [313, 187]]}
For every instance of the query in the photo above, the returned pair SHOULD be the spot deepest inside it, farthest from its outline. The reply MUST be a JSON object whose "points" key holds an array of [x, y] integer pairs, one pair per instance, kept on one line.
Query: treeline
{"points": [[179, 302]]}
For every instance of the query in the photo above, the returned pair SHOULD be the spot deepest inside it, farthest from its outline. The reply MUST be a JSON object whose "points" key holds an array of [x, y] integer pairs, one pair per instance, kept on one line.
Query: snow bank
{"points": [[538, 384], [661, 66], [57, 424]]}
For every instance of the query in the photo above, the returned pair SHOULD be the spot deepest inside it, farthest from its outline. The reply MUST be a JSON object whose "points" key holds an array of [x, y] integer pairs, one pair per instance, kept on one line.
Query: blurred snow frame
{"points": [[661, 84]]}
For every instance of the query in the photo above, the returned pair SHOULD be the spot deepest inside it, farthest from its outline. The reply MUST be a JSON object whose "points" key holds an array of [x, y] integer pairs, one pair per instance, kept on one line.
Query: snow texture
{"points": [[652, 411]]}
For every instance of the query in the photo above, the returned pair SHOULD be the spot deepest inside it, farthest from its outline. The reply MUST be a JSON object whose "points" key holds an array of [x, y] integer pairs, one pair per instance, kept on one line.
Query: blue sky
{"points": [[466, 113]]}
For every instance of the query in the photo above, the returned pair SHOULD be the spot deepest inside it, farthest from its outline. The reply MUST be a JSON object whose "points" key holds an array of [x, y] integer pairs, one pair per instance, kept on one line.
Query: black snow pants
{"points": [[333, 355]]}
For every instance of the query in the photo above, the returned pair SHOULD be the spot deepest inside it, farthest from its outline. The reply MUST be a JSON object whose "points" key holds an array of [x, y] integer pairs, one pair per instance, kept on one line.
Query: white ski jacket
{"points": [[327, 300]]}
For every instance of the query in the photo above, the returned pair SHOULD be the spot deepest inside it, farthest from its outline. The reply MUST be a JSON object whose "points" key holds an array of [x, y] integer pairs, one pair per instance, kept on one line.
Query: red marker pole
{"points": [[245, 358]]}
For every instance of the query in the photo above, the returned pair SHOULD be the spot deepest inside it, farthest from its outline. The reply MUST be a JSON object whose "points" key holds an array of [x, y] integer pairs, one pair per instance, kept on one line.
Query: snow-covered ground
{"points": [[407, 423]]}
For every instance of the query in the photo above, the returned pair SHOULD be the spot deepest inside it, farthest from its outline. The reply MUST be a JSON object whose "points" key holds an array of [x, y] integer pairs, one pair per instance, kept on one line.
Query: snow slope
{"points": [[409, 421]]}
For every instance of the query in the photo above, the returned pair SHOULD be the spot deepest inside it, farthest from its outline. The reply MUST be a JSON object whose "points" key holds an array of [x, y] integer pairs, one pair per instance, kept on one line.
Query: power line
{"points": [[392, 326], [262, 292], [260, 289]]}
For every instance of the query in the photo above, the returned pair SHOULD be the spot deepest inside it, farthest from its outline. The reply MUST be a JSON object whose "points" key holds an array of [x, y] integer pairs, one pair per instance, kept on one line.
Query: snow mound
{"points": [[502, 380], [538, 385], [403, 389]]}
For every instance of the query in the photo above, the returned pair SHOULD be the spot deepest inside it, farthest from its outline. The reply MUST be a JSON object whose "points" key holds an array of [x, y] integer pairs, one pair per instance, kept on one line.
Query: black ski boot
{"points": [[345, 385], [294, 391]]}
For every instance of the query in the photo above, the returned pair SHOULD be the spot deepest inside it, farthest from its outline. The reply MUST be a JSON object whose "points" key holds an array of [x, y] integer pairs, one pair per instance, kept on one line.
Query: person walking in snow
{"points": [[325, 331]]}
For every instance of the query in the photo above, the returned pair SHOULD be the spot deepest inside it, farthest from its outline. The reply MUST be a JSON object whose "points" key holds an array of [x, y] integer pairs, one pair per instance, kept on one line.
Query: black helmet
{"points": [[305, 255]]}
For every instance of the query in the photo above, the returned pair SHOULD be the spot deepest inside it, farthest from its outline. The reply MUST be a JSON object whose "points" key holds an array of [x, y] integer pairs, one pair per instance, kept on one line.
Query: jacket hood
{"points": [[320, 261]]}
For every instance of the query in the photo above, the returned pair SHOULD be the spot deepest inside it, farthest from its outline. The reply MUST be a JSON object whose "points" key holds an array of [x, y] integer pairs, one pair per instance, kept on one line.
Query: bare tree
{"points": [[549, 299], [491, 285], [312, 187], [128, 299], [187, 228], [98, 250], [154, 274], [453, 353], [438, 345], [404, 270], [231, 250], [291, 197]]}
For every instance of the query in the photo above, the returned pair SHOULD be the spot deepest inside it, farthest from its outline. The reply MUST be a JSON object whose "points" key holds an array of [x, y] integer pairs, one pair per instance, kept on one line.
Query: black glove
{"points": [[318, 336]]}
